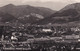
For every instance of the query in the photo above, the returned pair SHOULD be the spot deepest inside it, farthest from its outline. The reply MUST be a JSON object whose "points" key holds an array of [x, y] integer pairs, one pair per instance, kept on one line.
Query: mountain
{"points": [[30, 18], [5, 17], [75, 6], [69, 13], [28, 13]]}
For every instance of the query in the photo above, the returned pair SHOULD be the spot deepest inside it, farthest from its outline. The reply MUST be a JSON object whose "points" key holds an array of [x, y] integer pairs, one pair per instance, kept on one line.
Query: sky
{"points": [[52, 4]]}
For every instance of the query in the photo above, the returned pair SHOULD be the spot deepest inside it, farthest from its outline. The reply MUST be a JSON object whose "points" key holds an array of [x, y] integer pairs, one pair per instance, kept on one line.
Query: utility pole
{"points": [[2, 38]]}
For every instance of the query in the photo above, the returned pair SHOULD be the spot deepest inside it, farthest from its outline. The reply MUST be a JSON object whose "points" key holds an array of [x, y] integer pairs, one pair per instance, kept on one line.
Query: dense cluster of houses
{"points": [[37, 31], [40, 34]]}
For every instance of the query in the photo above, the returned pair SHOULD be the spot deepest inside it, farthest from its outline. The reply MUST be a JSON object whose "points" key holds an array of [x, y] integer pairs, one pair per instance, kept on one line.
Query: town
{"points": [[40, 38]]}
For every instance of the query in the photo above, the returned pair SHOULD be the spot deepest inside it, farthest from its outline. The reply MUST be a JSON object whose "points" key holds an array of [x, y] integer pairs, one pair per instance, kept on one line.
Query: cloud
{"points": [[24, 1], [77, 0], [44, 1]]}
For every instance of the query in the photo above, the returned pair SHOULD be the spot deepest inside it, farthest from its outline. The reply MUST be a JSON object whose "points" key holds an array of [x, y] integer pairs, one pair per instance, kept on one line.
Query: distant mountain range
{"points": [[24, 13], [70, 13]]}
